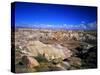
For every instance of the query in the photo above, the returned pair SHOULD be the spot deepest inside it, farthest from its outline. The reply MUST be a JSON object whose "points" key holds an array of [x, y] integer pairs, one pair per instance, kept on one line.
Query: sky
{"points": [[55, 16]]}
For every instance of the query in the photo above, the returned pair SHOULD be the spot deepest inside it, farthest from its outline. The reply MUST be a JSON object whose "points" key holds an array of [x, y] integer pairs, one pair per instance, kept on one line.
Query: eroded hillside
{"points": [[53, 50]]}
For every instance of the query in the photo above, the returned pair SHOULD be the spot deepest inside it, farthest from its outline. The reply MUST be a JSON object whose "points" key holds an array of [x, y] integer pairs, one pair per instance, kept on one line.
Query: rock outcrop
{"points": [[49, 51]]}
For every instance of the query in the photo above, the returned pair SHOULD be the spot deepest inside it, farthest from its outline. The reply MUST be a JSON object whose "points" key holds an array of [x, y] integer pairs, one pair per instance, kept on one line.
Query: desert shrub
{"points": [[41, 58], [56, 60], [44, 66]]}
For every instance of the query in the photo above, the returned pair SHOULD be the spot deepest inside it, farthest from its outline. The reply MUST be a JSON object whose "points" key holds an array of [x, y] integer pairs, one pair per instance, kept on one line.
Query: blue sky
{"points": [[53, 16]]}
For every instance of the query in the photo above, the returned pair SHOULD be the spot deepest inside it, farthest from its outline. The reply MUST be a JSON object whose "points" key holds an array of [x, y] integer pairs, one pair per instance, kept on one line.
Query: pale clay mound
{"points": [[49, 51]]}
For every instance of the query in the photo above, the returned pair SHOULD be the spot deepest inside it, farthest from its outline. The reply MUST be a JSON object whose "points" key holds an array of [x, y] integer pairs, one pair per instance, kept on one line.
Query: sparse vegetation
{"points": [[50, 49]]}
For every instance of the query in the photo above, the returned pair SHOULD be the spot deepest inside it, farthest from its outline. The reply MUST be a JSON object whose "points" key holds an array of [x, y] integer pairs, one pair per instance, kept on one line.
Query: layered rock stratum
{"points": [[54, 49]]}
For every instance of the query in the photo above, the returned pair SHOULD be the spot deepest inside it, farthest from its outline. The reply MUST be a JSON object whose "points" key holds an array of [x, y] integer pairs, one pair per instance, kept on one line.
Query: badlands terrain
{"points": [[41, 50]]}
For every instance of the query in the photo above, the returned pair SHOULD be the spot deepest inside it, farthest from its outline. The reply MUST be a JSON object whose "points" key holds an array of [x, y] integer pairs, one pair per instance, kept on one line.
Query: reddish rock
{"points": [[30, 62]]}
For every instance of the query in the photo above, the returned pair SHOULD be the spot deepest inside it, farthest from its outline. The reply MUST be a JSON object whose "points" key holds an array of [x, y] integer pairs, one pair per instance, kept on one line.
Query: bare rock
{"points": [[49, 51], [30, 62]]}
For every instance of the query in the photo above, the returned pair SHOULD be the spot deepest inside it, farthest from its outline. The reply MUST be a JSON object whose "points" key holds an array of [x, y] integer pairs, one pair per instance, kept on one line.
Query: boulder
{"points": [[30, 62]]}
